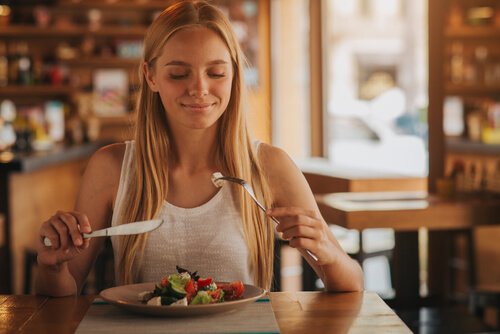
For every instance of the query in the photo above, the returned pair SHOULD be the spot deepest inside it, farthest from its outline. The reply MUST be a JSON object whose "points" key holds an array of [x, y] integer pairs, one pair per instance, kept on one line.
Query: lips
{"points": [[197, 106]]}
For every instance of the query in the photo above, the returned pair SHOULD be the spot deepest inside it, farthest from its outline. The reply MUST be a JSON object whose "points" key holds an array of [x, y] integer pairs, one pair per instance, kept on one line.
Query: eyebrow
{"points": [[183, 63]]}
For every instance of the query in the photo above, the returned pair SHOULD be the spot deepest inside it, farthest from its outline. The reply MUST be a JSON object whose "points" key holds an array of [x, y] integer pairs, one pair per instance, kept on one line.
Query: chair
{"points": [[484, 297], [485, 291], [30, 256], [361, 246]]}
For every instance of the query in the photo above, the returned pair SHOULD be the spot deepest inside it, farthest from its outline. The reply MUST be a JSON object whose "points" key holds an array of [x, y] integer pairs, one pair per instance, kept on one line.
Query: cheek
{"points": [[224, 89], [171, 91]]}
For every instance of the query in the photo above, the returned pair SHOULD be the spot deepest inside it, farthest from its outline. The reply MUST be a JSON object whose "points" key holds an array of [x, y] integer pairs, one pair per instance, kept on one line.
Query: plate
{"points": [[125, 297]]}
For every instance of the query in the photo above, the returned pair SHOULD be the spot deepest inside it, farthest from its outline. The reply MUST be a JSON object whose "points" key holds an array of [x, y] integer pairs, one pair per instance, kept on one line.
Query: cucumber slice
{"points": [[177, 291]]}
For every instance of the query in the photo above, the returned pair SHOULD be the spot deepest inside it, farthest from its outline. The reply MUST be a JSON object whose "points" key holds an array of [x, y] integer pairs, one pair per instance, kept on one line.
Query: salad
{"points": [[185, 288]]}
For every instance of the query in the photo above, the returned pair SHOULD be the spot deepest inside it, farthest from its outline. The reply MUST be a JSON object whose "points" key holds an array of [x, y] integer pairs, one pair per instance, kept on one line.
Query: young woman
{"points": [[190, 124]]}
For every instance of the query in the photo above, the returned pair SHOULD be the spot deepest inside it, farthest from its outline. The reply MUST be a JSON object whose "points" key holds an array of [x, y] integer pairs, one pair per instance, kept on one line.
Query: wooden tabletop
{"points": [[325, 178], [406, 211], [296, 312]]}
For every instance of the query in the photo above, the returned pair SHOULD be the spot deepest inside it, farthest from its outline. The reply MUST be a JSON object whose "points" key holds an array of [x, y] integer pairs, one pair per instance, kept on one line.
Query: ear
{"points": [[148, 74]]}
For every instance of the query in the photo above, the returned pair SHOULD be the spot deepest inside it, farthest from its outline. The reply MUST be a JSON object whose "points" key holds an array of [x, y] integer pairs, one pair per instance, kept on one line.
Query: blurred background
{"points": [[396, 98]]}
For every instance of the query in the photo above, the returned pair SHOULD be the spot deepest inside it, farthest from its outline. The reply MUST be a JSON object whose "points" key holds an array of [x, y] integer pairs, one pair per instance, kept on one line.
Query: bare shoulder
{"points": [[275, 161], [110, 155], [286, 181], [104, 167]]}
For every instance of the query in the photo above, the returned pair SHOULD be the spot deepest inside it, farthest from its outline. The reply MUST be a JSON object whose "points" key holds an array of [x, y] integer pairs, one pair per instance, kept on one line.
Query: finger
{"points": [[304, 243], [86, 243], [290, 222], [62, 231], [291, 211], [48, 231], [83, 222], [300, 231], [73, 228]]}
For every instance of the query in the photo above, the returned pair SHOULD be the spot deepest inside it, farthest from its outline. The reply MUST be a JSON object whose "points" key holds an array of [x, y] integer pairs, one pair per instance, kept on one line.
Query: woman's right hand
{"points": [[64, 230]]}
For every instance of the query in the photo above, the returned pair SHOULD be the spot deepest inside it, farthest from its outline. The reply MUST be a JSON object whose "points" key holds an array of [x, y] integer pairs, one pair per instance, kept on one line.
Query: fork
{"points": [[217, 179]]}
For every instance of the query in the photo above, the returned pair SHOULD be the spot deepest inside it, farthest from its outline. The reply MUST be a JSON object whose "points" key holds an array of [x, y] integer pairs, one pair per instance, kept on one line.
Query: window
{"points": [[375, 85]]}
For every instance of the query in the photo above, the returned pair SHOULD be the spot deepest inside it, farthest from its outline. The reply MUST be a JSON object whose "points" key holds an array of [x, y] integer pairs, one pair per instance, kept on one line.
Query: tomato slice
{"points": [[215, 294], [190, 287], [238, 288], [164, 281], [233, 290], [203, 282]]}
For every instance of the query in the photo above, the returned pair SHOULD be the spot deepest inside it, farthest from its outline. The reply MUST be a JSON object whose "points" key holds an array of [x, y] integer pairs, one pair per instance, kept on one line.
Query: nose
{"points": [[198, 86]]}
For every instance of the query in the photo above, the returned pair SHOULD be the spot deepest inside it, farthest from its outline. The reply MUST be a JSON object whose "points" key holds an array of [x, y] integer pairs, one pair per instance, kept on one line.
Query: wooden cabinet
{"points": [[464, 88], [464, 111]]}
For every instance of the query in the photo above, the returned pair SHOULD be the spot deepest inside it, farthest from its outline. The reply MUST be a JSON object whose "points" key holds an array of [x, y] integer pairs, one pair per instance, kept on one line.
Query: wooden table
{"points": [[325, 178], [295, 312], [406, 213]]}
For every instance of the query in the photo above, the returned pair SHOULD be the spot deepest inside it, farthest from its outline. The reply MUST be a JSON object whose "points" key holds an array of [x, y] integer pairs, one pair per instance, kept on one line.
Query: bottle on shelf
{"points": [[13, 63], [457, 63], [4, 65], [25, 64], [481, 59]]}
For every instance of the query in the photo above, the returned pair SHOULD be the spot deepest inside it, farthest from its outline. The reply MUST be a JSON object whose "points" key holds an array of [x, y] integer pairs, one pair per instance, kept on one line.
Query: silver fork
{"points": [[217, 179]]}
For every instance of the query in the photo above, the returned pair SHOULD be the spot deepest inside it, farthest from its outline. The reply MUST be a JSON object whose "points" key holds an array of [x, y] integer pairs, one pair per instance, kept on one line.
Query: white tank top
{"points": [[208, 238]]}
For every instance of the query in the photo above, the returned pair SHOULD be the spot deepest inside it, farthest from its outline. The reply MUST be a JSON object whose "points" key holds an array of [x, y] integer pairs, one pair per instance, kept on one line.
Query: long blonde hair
{"points": [[154, 149]]}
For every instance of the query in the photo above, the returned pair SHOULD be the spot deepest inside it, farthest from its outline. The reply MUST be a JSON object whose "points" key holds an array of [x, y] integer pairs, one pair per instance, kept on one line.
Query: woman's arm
{"points": [[63, 267], [302, 224]]}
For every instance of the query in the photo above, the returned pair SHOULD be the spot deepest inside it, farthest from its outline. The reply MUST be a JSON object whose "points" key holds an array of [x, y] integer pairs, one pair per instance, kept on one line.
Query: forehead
{"points": [[195, 44]]}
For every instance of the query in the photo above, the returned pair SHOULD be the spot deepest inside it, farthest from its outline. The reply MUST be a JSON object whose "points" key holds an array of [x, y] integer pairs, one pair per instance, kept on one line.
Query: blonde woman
{"points": [[190, 124]]}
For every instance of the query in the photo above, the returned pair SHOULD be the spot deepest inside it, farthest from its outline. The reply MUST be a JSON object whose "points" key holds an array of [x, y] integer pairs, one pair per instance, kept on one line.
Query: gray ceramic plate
{"points": [[125, 297]]}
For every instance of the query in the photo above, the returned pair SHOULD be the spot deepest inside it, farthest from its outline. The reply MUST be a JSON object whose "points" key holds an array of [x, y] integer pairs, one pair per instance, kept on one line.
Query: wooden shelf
{"points": [[118, 5], [473, 32], [127, 119], [472, 89], [462, 145], [26, 31], [40, 90], [97, 62]]}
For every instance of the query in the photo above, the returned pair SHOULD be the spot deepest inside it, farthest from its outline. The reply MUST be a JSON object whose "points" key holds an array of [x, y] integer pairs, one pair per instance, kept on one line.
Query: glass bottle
{"points": [[4, 65], [457, 63], [25, 65]]}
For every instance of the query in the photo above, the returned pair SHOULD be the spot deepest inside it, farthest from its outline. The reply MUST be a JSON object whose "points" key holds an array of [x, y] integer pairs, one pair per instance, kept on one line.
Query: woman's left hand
{"points": [[306, 229]]}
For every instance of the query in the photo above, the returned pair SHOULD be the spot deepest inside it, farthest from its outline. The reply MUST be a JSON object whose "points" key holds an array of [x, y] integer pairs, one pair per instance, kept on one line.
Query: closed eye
{"points": [[217, 75], [178, 76]]}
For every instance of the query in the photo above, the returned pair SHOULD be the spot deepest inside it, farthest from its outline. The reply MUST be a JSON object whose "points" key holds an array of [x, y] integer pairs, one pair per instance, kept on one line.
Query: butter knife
{"points": [[124, 229]]}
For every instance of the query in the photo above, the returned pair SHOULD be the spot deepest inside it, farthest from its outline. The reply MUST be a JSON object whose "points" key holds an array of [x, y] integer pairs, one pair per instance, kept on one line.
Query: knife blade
{"points": [[124, 229]]}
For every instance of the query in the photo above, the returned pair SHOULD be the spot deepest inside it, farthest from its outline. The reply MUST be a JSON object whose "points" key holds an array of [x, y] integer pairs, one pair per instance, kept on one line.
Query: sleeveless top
{"points": [[208, 238]]}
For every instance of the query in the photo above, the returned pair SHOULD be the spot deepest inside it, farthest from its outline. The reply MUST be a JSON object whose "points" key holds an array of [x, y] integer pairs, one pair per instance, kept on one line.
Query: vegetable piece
{"points": [[204, 282], [217, 295], [233, 290], [194, 275], [191, 289], [176, 290], [168, 300], [201, 297], [164, 282]]}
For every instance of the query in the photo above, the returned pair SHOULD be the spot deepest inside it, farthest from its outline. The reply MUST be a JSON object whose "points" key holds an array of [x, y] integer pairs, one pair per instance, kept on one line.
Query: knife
{"points": [[124, 229]]}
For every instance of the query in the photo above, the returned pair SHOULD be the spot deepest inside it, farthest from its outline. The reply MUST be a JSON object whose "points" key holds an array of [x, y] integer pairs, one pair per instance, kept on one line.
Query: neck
{"points": [[195, 150]]}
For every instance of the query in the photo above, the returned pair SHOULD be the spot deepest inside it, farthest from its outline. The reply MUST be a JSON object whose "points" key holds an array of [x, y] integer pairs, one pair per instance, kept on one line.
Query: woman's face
{"points": [[193, 77]]}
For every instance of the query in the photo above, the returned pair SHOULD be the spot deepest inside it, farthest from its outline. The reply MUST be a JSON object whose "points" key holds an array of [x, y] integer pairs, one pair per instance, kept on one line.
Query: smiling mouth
{"points": [[198, 107]]}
